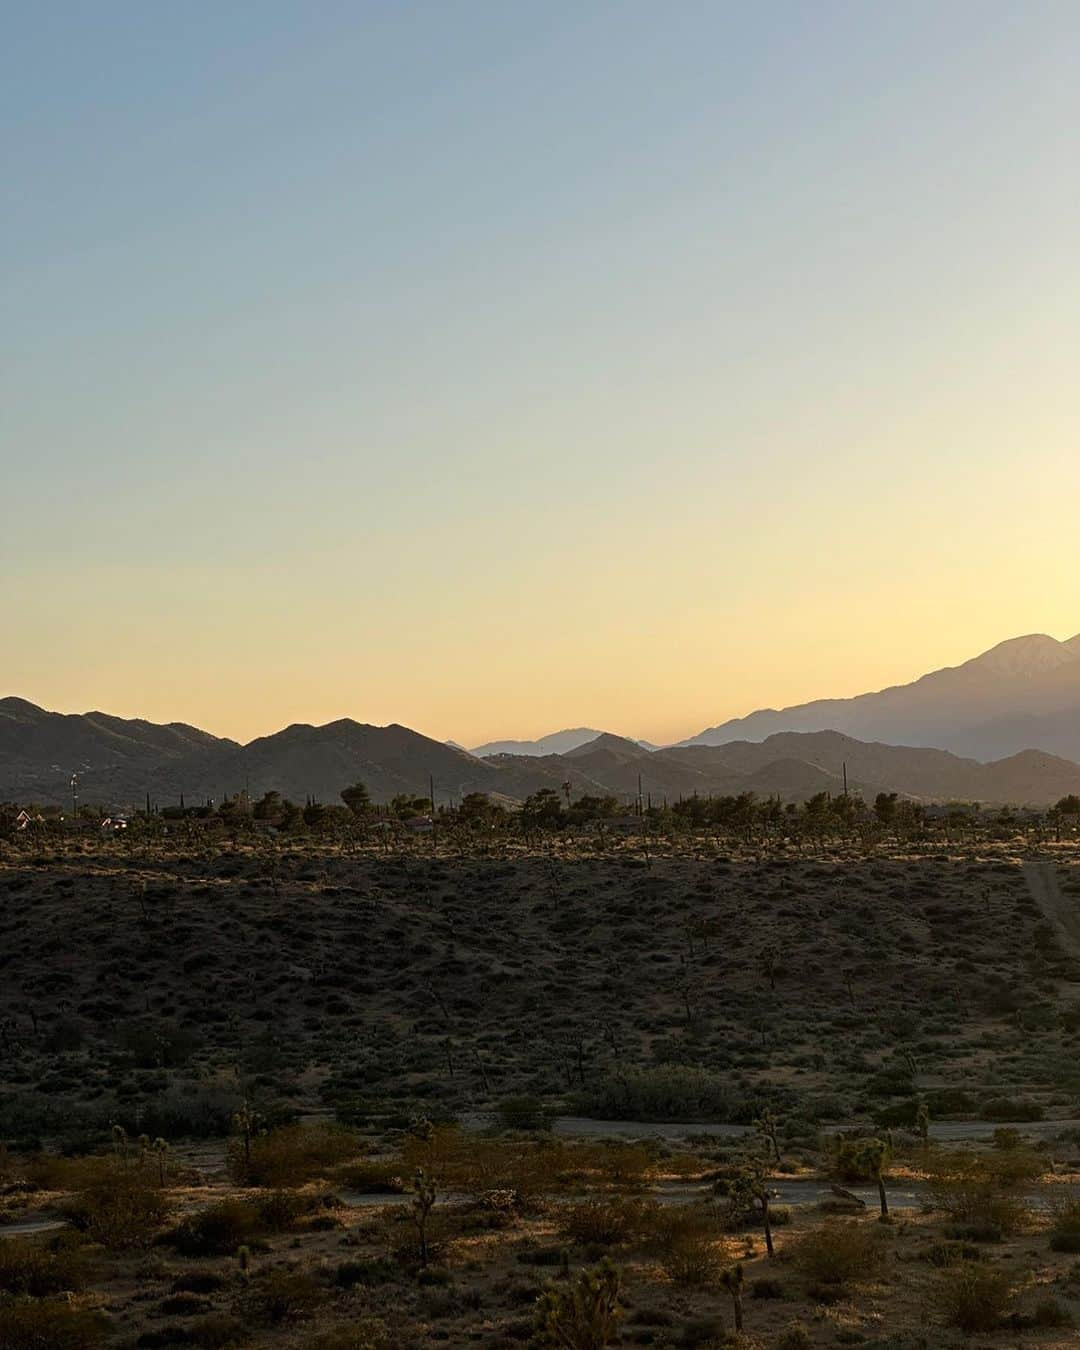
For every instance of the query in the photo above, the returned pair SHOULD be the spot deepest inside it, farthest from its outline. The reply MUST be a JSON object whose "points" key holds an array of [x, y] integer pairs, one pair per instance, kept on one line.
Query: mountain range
{"points": [[1022, 699], [1022, 694]]}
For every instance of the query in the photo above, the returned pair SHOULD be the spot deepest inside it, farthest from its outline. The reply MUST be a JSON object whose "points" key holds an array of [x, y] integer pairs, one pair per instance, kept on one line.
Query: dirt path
{"points": [[1061, 911]]}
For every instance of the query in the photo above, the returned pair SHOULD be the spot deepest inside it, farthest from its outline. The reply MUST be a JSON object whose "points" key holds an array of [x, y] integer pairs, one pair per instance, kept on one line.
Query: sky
{"points": [[493, 366]]}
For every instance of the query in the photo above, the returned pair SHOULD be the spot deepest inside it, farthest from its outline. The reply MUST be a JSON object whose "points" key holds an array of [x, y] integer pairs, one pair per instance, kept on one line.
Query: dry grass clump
{"points": [[49, 1324], [973, 1297], [291, 1154], [839, 1252]]}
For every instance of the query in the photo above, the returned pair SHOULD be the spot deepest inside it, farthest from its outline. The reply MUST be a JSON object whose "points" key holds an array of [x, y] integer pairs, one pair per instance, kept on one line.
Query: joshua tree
{"points": [[584, 1317], [870, 1156], [767, 1125], [422, 1205], [732, 1281], [120, 1141], [748, 1192]]}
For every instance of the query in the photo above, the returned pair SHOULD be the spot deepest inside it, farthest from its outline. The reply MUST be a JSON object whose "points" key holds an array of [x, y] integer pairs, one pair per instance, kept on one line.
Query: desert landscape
{"points": [[508, 1092], [539, 676]]}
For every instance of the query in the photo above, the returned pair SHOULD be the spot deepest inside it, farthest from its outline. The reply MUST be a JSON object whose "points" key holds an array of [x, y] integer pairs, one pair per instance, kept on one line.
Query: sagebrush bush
{"points": [[49, 1324], [669, 1092], [121, 1209], [973, 1297], [218, 1230], [689, 1244], [291, 1154], [987, 1190], [604, 1219], [29, 1266], [279, 1295], [838, 1252]]}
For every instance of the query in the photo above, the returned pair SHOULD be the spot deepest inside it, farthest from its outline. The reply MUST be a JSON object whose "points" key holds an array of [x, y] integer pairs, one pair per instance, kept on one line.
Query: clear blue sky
{"points": [[490, 367]]}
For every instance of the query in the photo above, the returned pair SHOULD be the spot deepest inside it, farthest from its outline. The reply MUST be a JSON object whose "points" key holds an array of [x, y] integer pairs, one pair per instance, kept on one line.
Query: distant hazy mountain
{"points": [[1022, 694], [558, 743], [1012, 704]]}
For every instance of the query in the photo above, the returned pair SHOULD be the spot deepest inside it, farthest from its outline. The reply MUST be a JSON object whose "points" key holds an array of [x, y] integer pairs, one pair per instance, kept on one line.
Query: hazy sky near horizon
{"points": [[495, 367]]}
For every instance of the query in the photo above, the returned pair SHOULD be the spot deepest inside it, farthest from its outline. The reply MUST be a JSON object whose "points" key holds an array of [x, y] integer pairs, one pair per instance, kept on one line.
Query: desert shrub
{"points": [[667, 1092], [766, 1288], [476, 1165], [188, 1111], [198, 1282], [372, 1176], [523, 1113], [983, 1190], [183, 1305], [278, 1211], [279, 1295], [49, 1324], [52, 1172], [121, 1209], [217, 1230], [368, 1274], [158, 1045], [291, 1154], [1065, 1230], [28, 1116], [689, 1244], [1048, 1312], [604, 1219], [582, 1317], [623, 1164], [402, 1238], [28, 1266], [365, 1332], [795, 1337], [944, 1254], [1011, 1108], [973, 1297], [838, 1252]]}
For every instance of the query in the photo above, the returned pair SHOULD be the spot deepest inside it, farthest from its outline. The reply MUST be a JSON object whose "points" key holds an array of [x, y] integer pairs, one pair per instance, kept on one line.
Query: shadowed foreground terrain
{"points": [[247, 1053]]}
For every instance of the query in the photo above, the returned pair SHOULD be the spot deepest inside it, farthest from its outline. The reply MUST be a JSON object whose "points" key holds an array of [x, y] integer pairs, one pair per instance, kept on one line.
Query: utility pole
{"points": [[845, 777], [75, 797]]}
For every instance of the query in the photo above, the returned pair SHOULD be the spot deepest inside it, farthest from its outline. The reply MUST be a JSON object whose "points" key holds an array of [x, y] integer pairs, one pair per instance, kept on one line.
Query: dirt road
{"points": [[1062, 911]]}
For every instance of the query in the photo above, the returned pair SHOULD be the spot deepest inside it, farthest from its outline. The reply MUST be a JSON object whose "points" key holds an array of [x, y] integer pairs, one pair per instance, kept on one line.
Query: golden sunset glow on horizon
{"points": [[633, 368]]}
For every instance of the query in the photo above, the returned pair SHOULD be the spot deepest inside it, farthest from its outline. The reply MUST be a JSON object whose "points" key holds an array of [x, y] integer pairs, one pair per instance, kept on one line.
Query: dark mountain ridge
{"points": [[1025, 687]]}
